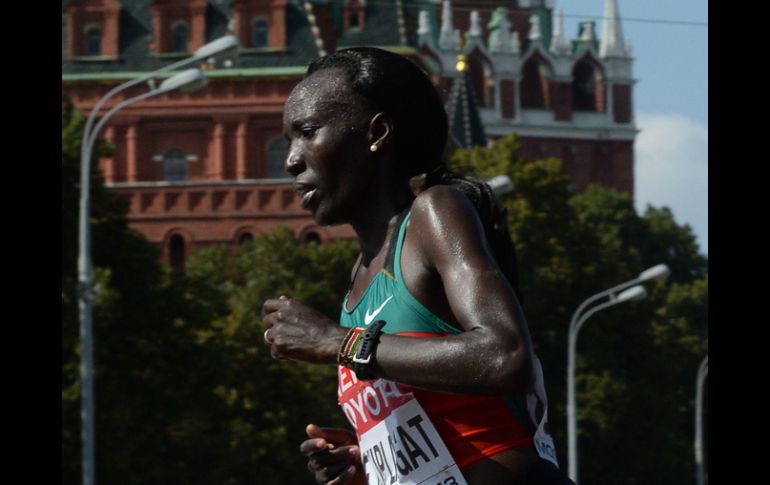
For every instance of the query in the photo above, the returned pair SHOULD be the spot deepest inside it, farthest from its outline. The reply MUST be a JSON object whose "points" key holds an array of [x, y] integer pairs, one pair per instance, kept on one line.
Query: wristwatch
{"points": [[363, 358]]}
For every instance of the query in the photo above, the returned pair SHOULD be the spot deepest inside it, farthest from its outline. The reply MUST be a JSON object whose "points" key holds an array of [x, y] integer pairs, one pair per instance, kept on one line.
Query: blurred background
{"points": [[595, 109]]}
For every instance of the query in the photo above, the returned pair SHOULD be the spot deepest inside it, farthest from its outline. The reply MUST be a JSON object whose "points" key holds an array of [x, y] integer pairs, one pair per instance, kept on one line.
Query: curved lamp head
{"points": [[186, 81], [500, 185], [635, 293], [659, 271], [223, 47]]}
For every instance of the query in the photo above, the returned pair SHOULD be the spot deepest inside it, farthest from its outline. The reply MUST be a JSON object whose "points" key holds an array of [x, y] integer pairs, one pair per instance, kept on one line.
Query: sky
{"points": [[670, 101]]}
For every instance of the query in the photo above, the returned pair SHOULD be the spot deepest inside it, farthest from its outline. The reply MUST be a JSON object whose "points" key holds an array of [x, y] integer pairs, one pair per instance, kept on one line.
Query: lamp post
{"points": [[703, 372], [500, 185], [188, 80], [630, 290]]}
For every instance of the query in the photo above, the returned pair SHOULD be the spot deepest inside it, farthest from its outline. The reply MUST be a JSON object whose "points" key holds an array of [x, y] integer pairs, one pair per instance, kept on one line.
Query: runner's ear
{"points": [[380, 130]]}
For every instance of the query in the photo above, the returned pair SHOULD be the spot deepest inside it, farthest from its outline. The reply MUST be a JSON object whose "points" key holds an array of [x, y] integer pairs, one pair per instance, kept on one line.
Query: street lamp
{"points": [[188, 80], [703, 371], [630, 290], [500, 185]]}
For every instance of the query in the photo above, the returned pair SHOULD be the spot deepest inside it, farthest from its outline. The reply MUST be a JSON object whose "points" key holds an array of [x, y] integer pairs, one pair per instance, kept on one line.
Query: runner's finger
{"points": [[308, 447], [273, 305], [347, 473]]}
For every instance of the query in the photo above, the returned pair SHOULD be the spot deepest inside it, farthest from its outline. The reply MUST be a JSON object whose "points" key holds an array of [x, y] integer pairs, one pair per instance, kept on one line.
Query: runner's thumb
{"points": [[335, 436]]}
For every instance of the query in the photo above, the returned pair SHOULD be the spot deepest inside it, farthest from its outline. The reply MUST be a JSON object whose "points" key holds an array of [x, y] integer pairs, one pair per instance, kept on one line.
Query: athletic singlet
{"points": [[472, 427]]}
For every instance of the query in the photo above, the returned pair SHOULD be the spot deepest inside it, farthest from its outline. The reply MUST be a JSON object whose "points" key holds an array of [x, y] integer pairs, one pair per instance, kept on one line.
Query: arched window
{"points": [[481, 78], [246, 237], [174, 165], [93, 41], [176, 252], [276, 156], [259, 32], [353, 14], [535, 85], [353, 21], [312, 237], [179, 37], [587, 92]]}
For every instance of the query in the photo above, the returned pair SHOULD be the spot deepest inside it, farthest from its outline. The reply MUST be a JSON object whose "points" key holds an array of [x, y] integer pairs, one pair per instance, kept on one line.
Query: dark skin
{"points": [[340, 180]]}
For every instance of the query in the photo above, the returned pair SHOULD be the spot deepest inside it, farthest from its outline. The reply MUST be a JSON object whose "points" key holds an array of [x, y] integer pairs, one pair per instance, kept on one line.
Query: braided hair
{"points": [[395, 85]]}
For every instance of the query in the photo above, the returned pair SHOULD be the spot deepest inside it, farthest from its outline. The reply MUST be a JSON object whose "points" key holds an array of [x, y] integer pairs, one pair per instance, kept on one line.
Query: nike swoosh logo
{"points": [[370, 318]]}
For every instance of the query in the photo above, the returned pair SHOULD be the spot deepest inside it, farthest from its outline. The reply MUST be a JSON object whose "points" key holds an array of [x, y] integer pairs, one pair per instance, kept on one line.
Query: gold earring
{"points": [[373, 148]]}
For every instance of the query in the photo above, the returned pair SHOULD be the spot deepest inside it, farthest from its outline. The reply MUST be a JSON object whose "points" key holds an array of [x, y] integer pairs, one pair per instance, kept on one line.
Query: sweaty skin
{"points": [[340, 180]]}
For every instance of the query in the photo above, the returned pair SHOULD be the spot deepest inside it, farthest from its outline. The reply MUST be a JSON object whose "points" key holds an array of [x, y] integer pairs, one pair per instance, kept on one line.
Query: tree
{"points": [[637, 361], [184, 390], [268, 402], [187, 393], [149, 373]]}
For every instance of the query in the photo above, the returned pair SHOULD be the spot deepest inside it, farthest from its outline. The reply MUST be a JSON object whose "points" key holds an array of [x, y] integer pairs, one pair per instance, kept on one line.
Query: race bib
{"points": [[398, 442]]}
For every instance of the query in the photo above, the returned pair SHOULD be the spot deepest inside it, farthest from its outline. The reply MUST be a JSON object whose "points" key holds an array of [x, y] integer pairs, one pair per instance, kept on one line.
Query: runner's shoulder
{"points": [[441, 202], [443, 207]]}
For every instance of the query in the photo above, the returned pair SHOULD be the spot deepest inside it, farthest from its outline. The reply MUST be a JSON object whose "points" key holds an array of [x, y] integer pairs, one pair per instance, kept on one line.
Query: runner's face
{"points": [[327, 128]]}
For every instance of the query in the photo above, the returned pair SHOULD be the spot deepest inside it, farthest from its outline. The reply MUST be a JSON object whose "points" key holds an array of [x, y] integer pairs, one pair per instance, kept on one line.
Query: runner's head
{"points": [[395, 86]]}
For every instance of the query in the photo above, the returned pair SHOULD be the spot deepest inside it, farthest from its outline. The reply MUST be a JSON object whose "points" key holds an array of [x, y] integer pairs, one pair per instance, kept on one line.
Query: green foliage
{"points": [[184, 391], [268, 403], [637, 362], [187, 393]]}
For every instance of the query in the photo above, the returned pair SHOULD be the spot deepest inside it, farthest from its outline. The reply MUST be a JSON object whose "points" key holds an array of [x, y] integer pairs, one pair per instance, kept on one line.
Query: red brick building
{"points": [[206, 167]]}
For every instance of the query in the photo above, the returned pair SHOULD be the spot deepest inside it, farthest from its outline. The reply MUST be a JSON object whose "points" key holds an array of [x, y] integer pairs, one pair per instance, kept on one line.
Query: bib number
{"points": [[406, 449], [398, 442]]}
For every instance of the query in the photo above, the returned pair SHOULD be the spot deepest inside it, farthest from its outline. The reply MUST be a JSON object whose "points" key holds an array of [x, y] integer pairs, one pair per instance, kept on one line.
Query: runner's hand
{"points": [[296, 331], [333, 456]]}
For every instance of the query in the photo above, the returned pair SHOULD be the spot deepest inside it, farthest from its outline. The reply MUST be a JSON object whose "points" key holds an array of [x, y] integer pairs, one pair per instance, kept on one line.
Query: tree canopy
{"points": [[636, 362]]}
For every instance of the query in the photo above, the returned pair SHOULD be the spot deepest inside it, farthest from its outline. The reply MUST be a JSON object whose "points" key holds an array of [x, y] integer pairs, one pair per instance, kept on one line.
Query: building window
{"points": [[353, 15], [535, 85], [93, 41], [312, 237], [245, 238], [276, 156], [179, 37], [259, 31], [353, 20], [176, 252], [587, 92], [481, 79], [174, 165]]}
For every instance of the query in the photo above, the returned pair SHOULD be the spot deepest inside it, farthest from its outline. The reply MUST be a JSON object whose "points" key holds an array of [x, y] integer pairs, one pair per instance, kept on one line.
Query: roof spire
{"points": [[559, 43], [449, 37], [534, 28], [612, 43], [500, 35], [475, 30], [424, 23], [465, 126]]}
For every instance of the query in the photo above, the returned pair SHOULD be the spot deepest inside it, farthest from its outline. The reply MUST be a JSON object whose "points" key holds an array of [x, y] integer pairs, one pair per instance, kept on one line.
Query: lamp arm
{"points": [[104, 119], [599, 296], [593, 310], [86, 143], [128, 84], [84, 262]]}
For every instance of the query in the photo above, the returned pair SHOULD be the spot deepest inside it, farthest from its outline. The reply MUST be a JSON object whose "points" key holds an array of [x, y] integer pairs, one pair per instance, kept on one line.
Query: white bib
{"points": [[399, 444]]}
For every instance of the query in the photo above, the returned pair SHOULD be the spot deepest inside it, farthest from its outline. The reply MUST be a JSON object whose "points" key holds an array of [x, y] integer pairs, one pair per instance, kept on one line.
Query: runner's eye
{"points": [[308, 131]]}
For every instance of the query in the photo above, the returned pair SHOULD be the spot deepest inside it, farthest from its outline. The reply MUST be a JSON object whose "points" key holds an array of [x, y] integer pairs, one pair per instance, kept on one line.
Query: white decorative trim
{"points": [[541, 123], [319, 43], [576, 133]]}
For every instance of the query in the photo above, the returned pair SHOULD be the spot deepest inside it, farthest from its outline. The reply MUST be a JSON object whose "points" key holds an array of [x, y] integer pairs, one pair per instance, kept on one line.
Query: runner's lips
{"points": [[305, 193]]}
